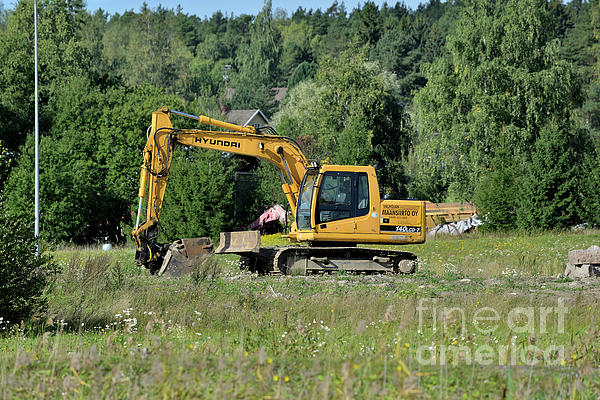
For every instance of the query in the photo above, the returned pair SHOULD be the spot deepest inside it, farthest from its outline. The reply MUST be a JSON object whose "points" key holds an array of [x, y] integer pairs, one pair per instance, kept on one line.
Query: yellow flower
{"points": [[245, 354], [355, 366], [191, 346], [270, 360], [563, 363], [287, 379], [275, 378], [407, 344]]}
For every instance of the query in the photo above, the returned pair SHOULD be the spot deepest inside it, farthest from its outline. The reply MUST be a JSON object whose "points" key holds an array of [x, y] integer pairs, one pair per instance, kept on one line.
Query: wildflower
{"points": [[287, 378], [245, 354], [270, 360], [275, 378]]}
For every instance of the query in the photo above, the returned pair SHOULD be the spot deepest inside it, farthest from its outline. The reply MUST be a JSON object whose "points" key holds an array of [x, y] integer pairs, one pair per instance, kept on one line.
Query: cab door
{"points": [[366, 221]]}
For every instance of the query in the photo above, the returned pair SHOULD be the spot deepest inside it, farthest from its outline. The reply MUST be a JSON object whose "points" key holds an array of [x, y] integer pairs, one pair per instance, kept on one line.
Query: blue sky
{"points": [[207, 8]]}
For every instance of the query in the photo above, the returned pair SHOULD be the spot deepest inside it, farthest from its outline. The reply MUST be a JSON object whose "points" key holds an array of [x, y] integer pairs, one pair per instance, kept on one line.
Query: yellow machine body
{"points": [[333, 205]]}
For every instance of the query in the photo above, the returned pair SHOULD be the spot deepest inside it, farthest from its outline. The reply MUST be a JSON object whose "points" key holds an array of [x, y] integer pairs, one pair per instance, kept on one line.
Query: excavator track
{"points": [[297, 260]]}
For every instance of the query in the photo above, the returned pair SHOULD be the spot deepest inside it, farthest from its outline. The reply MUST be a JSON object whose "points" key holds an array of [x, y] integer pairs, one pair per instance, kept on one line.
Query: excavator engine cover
{"points": [[239, 242], [184, 254]]}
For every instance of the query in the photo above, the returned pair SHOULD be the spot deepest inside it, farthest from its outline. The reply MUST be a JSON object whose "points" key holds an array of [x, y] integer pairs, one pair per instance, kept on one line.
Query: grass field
{"points": [[484, 316]]}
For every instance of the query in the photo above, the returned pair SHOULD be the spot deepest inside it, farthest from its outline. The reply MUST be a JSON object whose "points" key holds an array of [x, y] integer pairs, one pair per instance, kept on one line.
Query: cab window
{"points": [[305, 200], [335, 197], [342, 195], [363, 194], [336, 190]]}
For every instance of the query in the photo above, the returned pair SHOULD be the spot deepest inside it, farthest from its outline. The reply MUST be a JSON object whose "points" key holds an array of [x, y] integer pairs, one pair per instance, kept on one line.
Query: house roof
{"points": [[244, 117]]}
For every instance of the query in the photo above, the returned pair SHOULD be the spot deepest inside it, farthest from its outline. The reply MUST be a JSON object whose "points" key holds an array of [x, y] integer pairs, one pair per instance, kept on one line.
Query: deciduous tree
{"points": [[500, 86]]}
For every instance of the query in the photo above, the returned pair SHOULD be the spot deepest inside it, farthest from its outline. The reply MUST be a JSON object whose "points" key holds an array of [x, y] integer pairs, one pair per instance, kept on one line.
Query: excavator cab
{"points": [[341, 203], [337, 195]]}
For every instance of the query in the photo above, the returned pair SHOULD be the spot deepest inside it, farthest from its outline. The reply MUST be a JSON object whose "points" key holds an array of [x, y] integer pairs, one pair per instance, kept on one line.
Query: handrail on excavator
{"points": [[209, 121]]}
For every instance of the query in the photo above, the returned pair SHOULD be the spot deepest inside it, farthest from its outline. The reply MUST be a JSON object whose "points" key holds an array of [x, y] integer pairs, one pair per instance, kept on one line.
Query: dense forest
{"points": [[490, 101]]}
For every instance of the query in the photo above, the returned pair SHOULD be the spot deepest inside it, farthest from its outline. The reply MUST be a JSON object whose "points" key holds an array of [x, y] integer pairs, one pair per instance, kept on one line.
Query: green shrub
{"points": [[199, 197], [497, 194], [23, 276]]}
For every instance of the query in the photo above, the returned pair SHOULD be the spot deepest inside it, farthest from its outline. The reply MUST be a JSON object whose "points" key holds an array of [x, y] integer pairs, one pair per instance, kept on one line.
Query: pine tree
{"points": [[550, 196], [258, 63]]}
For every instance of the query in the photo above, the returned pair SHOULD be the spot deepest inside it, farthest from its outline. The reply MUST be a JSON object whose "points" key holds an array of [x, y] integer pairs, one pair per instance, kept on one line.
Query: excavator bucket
{"points": [[239, 242], [184, 254]]}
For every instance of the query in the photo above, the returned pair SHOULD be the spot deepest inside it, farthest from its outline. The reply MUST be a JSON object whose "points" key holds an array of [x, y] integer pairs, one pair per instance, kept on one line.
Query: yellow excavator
{"points": [[334, 207]]}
